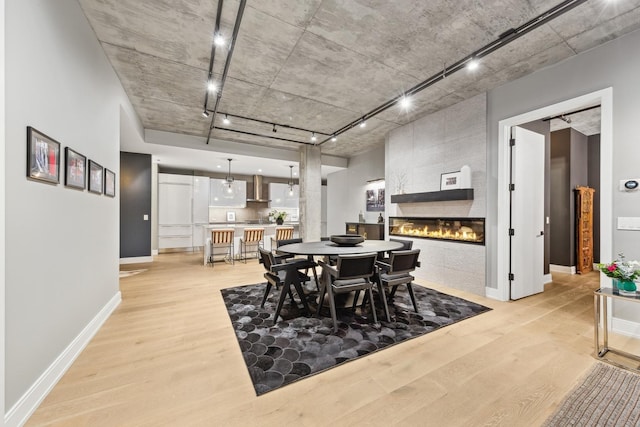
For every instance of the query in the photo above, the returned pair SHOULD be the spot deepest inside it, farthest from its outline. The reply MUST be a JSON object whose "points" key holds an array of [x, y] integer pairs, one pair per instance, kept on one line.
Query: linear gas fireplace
{"points": [[463, 230]]}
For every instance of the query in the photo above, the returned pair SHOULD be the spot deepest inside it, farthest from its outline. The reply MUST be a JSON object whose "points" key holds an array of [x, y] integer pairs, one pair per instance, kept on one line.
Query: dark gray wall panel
{"points": [[135, 202], [578, 177], [594, 182], [561, 198]]}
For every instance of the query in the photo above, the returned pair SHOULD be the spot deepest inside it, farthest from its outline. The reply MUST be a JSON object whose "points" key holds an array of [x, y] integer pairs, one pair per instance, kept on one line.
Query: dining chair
{"points": [[282, 233], [252, 238], [351, 273], [222, 240], [397, 271], [407, 245], [281, 275], [310, 263]]}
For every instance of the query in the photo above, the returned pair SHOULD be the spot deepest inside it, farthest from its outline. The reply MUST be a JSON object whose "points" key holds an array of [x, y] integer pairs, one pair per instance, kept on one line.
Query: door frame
{"points": [[603, 97]]}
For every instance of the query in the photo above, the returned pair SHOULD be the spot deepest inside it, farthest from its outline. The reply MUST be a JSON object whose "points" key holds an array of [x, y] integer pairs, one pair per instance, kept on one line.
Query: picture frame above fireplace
{"points": [[450, 181]]}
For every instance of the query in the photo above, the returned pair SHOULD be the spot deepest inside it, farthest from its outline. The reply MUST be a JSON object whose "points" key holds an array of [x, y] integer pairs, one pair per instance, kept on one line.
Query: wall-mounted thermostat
{"points": [[629, 184]]}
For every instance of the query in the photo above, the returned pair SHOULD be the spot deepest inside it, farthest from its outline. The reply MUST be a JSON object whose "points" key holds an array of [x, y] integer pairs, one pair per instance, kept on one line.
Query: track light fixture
{"points": [[212, 87], [473, 65], [314, 138], [219, 40], [274, 130], [405, 102], [205, 114], [363, 124], [334, 138], [226, 120]]}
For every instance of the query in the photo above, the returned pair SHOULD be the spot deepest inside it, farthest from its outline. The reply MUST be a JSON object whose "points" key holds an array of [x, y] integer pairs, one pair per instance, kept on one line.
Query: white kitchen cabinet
{"points": [[220, 196], [174, 199], [174, 236], [281, 197], [200, 200]]}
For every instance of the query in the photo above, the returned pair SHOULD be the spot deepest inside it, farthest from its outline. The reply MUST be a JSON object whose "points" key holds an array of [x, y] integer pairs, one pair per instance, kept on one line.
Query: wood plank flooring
{"points": [[168, 357]]}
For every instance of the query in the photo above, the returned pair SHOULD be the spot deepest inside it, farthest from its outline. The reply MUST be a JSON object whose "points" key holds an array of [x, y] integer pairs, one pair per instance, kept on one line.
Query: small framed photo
{"points": [[75, 169], [43, 157], [450, 181], [231, 216], [109, 183], [95, 177]]}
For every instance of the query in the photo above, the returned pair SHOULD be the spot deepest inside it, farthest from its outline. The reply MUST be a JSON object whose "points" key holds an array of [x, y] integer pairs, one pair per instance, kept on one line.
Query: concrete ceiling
{"points": [[321, 64], [585, 122]]}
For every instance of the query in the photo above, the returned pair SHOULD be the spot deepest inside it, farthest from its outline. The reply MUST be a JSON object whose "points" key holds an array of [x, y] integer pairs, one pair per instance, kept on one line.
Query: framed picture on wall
{"points": [[95, 177], [75, 169], [43, 157], [450, 181], [231, 216], [109, 183], [375, 200]]}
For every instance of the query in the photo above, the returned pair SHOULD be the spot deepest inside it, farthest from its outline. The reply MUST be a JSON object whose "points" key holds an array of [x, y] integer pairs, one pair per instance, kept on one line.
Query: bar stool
{"points": [[282, 233], [252, 238], [222, 239]]}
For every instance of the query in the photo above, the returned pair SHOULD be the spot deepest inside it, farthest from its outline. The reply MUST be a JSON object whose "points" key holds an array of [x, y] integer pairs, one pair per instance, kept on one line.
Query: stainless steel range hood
{"points": [[258, 194]]}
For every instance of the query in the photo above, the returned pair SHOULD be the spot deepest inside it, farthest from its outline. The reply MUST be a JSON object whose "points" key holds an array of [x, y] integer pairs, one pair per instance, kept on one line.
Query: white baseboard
{"points": [[136, 260], [493, 293], [625, 327], [562, 269], [28, 403], [154, 252], [547, 279]]}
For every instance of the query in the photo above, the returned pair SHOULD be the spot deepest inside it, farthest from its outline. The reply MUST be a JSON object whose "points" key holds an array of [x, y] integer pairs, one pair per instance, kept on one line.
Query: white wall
{"points": [[614, 65], [62, 257], [416, 154], [2, 214], [346, 195]]}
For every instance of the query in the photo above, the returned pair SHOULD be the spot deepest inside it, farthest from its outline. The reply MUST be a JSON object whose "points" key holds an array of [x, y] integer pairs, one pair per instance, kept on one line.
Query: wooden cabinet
{"points": [[584, 229], [369, 231]]}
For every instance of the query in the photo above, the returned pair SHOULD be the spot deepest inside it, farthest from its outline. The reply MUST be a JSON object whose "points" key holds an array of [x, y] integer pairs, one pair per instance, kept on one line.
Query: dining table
{"points": [[328, 249]]}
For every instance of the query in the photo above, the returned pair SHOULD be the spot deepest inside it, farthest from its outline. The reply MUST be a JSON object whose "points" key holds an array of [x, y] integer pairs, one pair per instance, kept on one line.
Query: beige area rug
{"points": [[607, 396], [128, 273]]}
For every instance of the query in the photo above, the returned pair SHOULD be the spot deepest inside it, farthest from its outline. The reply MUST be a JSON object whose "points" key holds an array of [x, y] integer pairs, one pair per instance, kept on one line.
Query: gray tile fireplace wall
{"points": [[415, 156]]}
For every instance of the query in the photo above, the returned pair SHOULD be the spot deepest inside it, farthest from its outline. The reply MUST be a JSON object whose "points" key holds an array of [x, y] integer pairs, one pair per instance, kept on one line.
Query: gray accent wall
{"points": [[135, 202], [593, 171], [561, 209], [610, 65], [62, 244]]}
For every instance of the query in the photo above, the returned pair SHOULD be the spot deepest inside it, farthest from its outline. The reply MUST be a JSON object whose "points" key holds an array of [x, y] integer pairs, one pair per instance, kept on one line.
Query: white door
{"points": [[527, 213]]}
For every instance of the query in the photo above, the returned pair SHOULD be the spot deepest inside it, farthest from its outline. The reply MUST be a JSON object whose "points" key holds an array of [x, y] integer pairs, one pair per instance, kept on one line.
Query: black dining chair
{"points": [[351, 273], [310, 263], [407, 245], [281, 274], [396, 271]]}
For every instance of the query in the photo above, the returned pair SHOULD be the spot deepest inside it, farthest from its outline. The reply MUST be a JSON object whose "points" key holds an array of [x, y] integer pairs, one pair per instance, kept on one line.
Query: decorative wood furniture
{"points": [[370, 231], [601, 302], [251, 241], [221, 240], [584, 229]]}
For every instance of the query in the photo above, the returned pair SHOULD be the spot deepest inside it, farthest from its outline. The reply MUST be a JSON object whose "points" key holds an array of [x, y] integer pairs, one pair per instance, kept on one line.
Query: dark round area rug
{"points": [[297, 346]]}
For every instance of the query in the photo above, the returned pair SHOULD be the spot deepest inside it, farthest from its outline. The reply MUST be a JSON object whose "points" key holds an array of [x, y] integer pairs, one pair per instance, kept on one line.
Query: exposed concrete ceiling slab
{"points": [[321, 64]]}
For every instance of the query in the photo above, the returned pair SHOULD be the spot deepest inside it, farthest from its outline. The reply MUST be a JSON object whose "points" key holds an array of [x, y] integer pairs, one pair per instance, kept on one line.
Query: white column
{"points": [[310, 193]]}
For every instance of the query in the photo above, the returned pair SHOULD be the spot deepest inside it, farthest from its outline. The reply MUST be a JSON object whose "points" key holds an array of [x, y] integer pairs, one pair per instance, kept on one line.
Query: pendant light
{"points": [[291, 183], [229, 179]]}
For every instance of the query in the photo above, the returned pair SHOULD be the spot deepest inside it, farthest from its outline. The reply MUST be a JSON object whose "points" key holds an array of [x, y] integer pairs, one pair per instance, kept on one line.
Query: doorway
{"points": [[505, 258]]}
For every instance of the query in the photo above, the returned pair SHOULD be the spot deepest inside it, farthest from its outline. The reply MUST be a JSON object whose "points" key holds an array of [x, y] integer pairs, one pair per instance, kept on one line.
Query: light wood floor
{"points": [[168, 356]]}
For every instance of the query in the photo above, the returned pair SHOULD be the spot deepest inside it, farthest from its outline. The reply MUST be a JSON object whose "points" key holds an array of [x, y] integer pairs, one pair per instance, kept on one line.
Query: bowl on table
{"points": [[347, 239]]}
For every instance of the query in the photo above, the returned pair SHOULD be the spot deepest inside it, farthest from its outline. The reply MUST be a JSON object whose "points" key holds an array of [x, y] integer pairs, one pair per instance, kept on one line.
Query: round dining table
{"points": [[327, 249]]}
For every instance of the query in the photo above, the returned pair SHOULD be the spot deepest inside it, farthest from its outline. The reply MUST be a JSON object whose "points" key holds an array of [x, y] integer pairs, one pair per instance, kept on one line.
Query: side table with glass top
{"points": [[601, 297]]}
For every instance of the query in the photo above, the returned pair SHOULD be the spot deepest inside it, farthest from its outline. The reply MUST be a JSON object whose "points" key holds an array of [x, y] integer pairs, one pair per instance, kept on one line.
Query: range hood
{"points": [[258, 194]]}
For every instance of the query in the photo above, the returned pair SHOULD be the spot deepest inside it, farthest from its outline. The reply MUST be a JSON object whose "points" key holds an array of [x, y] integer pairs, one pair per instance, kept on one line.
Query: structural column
{"points": [[310, 193]]}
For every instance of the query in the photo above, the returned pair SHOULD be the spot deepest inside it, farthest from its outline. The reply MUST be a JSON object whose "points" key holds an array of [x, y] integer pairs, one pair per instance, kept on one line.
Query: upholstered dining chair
{"points": [[397, 271], [407, 245], [310, 263], [251, 241], [282, 275], [282, 233], [351, 273], [222, 241]]}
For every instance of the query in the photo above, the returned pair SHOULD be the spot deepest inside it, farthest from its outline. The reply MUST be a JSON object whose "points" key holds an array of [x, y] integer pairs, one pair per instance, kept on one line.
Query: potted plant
{"points": [[278, 216], [623, 273]]}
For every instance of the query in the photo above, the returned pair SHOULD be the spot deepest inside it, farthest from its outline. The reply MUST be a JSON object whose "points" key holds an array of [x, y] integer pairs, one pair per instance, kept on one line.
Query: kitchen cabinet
{"points": [[281, 197], [200, 200], [174, 199], [220, 196]]}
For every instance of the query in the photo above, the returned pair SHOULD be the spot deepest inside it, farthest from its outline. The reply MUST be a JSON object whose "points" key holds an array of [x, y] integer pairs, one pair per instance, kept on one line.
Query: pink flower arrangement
{"points": [[626, 271]]}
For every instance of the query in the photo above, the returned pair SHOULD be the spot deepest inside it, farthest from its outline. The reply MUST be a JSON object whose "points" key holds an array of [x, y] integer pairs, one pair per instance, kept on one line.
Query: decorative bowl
{"points": [[347, 239]]}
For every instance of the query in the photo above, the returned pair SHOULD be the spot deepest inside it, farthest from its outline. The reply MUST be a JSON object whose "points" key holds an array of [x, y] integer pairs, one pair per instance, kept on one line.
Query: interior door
{"points": [[527, 213]]}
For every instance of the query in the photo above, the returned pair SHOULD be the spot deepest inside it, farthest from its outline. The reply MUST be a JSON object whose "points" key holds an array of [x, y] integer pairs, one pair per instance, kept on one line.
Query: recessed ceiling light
{"points": [[259, 170], [405, 102], [218, 40], [473, 64], [295, 174], [212, 86], [226, 120], [218, 166]]}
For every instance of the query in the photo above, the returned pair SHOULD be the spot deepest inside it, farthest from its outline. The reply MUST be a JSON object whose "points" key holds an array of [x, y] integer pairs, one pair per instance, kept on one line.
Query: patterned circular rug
{"points": [[298, 346]]}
